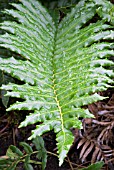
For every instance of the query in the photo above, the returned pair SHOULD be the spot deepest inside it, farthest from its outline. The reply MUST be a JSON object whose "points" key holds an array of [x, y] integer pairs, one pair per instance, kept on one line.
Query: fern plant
{"points": [[14, 156], [65, 64]]}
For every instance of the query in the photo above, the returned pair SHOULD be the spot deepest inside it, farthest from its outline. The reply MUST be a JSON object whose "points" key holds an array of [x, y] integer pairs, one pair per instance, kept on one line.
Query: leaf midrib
{"points": [[54, 85]]}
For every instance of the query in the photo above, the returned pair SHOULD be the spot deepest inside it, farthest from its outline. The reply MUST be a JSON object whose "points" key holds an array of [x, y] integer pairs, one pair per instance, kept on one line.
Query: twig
{"points": [[1, 131], [70, 163], [14, 141]]}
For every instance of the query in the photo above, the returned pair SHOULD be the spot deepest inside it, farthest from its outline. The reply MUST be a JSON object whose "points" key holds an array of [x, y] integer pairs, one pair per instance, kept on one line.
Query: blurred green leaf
{"points": [[13, 152], [28, 150], [14, 156], [4, 162], [7, 164], [54, 4], [42, 154], [27, 147], [12, 166], [28, 166], [96, 166]]}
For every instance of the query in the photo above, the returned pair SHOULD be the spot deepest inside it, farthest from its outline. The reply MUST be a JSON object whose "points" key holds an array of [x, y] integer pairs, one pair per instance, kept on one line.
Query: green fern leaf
{"points": [[39, 144], [105, 10], [95, 166], [64, 65]]}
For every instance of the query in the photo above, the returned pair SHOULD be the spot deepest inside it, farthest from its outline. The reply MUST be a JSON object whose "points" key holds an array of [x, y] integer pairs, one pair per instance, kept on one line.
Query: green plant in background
{"points": [[14, 156], [64, 64], [5, 53], [96, 166], [4, 79]]}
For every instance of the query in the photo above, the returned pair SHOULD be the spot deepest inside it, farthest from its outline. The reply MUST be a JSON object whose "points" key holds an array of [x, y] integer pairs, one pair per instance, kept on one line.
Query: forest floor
{"points": [[95, 142]]}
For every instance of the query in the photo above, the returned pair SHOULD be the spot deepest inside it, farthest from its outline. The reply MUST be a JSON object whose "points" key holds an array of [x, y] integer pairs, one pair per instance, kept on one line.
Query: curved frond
{"points": [[64, 65]]}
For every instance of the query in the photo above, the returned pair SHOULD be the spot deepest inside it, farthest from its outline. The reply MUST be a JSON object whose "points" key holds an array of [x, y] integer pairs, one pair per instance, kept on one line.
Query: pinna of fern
{"points": [[64, 65]]}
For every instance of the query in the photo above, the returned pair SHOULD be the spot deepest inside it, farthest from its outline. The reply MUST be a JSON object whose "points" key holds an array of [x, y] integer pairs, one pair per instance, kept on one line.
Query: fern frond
{"points": [[63, 67], [98, 151], [105, 10]]}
